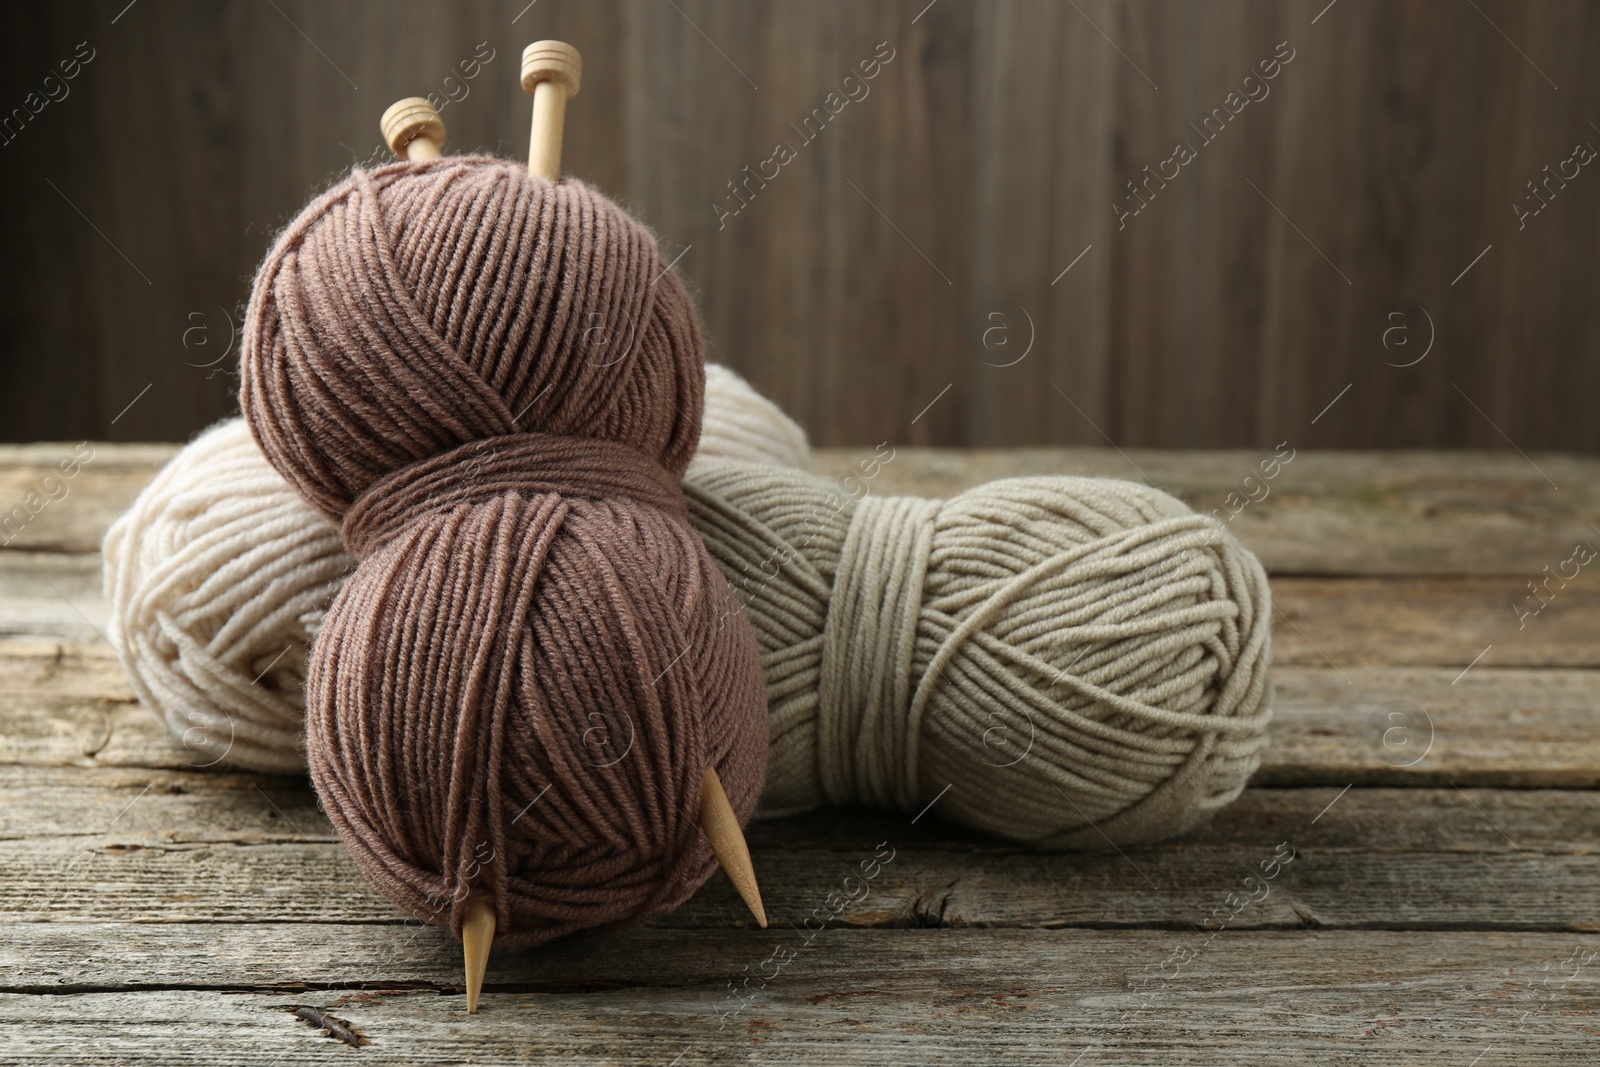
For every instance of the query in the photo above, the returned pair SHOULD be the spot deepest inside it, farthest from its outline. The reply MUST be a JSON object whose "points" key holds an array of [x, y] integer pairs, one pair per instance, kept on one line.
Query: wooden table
{"points": [[1440, 908]]}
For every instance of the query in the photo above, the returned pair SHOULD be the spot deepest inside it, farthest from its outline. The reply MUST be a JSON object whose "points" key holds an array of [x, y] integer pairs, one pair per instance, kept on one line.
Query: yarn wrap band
{"points": [[866, 741], [529, 464]]}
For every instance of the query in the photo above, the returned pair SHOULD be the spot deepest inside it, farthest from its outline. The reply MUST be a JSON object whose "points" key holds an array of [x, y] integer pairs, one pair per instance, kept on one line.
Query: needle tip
{"points": [[721, 826], [477, 933]]}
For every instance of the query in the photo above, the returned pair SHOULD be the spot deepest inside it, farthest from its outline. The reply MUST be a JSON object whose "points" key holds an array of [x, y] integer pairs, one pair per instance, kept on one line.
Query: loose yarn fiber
{"points": [[492, 383], [1076, 659], [219, 573]]}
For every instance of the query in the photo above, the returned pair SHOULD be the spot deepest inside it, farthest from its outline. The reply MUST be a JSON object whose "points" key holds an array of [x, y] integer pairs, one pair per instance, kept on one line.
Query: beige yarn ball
{"points": [[217, 578], [1056, 660], [743, 426]]}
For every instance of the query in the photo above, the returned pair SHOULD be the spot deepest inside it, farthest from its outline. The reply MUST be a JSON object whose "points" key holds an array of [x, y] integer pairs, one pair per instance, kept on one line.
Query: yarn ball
{"points": [[492, 383], [217, 576], [219, 573], [1059, 661], [742, 426]]}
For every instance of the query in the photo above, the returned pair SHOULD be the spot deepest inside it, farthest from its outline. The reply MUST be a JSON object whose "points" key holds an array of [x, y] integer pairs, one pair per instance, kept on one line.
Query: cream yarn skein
{"points": [[218, 575], [1055, 660]]}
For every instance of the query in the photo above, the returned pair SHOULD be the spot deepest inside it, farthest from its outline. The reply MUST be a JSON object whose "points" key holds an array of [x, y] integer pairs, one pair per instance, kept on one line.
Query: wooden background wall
{"points": [[857, 286]]}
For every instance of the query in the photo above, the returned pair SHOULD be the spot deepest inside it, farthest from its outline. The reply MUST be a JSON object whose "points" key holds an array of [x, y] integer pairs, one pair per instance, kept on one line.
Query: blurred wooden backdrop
{"points": [[885, 284]]}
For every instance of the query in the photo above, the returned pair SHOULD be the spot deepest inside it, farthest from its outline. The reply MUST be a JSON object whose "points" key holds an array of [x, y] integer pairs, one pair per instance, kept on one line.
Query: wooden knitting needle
{"points": [[551, 74], [721, 825], [413, 129], [477, 933]]}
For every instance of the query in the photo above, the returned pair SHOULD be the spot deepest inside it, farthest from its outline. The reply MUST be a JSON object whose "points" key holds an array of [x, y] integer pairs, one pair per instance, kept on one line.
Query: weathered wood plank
{"points": [[1435, 622], [161, 807], [1419, 726], [68, 704], [1329, 513], [1490, 865], [1366, 476], [850, 997], [96, 880], [70, 514], [52, 594]]}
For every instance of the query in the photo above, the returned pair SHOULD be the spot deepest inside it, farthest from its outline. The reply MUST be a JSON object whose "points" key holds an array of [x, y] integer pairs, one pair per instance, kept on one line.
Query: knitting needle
{"points": [[721, 826], [477, 932], [551, 74], [413, 129]]}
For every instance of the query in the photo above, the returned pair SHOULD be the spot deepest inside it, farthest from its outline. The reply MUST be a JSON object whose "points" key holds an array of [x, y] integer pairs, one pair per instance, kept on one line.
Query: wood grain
{"points": [[195, 847], [1507, 728], [1327, 513], [105, 877], [858, 997], [70, 514], [197, 807], [979, 165]]}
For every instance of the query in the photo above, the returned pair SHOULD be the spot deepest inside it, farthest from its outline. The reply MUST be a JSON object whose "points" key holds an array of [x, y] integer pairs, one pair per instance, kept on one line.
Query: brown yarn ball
{"points": [[493, 383]]}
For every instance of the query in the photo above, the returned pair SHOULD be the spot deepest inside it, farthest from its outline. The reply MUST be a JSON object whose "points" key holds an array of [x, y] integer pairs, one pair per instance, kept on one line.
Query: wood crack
{"points": [[332, 1027]]}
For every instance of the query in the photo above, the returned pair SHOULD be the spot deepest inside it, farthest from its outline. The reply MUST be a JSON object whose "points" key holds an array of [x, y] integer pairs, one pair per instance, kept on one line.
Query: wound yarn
{"points": [[742, 426], [492, 384], [1059, 661], [217, 577]]}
